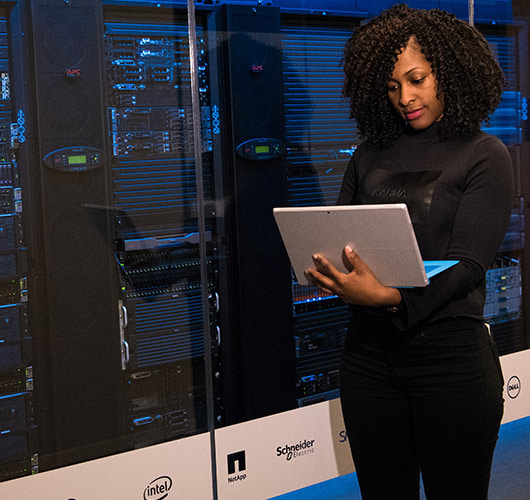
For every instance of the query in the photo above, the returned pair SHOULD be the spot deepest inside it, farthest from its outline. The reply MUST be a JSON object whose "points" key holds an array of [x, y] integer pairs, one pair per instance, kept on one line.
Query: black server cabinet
{"points": [[257, 344], [507, 279], [18, 425], [72, 287], [320, 139]]}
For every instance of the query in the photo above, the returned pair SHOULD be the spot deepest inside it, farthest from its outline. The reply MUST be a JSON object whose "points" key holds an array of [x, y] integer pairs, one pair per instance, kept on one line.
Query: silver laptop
{"points": [[382, 235]]}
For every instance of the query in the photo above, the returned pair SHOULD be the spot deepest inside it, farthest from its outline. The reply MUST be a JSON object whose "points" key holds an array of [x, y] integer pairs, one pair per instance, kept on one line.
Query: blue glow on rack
{"points": [[12, 395]]}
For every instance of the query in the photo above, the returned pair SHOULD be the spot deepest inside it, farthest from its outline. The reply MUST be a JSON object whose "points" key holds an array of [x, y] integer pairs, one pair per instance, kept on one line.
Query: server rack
{"points": [[320, 141], [155, 204], [59, 143], [18, 434], [255, 305]]}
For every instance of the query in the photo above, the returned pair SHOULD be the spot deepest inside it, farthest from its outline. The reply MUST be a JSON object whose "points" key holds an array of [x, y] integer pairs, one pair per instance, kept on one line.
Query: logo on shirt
{"points": [[416, 189], [389, 192]]}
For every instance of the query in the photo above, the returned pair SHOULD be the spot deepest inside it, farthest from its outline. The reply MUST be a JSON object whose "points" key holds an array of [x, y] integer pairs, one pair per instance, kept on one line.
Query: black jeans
{"points": [[430, 401]]}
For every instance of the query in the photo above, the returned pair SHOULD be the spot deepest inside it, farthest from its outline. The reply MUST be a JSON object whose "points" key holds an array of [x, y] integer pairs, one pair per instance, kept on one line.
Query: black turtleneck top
{"points": [[459, 195]]}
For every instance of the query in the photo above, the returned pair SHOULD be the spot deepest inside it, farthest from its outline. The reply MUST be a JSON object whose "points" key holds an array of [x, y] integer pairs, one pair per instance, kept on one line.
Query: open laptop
{"points": [[382, 235]]}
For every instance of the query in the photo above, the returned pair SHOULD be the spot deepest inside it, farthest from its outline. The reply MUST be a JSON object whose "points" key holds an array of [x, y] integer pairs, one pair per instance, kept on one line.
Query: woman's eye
{"points": [[392, 88], [418, 81]]}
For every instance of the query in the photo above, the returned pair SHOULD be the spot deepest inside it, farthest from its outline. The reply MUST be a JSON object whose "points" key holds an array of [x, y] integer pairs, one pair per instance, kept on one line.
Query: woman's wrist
{"points": [[391, 298]]}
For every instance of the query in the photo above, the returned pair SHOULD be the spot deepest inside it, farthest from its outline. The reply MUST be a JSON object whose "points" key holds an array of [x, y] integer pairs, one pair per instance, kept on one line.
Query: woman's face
{"points": [[412, 89]]}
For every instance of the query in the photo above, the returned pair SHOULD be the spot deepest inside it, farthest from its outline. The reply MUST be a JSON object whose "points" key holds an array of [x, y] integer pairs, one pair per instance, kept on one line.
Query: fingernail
{"points": [[349, 249], [316, 257]]}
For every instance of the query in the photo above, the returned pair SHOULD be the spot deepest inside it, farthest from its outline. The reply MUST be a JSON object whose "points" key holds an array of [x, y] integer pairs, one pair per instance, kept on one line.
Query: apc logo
{"points": [[73, 73], [514, 387], [238, 458], [158, 488]]}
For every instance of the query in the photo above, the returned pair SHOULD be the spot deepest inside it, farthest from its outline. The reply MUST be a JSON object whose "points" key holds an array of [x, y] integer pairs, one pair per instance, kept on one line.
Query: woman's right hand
{"points": [[359, 286]]}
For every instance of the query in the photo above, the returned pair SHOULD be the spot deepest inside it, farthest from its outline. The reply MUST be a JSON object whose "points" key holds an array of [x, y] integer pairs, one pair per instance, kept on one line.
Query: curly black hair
{"points": [[467, 74]]}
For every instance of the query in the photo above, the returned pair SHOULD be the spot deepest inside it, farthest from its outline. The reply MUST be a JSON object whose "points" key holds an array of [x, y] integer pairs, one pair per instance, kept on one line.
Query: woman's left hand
{"points": [[359, 286]]}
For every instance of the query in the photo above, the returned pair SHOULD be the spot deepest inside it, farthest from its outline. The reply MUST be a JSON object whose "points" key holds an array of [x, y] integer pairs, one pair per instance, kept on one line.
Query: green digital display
{"points": [[76, 160], [262, 149]]}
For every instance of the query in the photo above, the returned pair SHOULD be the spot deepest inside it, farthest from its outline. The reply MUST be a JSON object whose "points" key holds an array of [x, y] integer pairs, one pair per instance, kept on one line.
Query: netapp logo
{"points": [[238, 458], [296, 450], [514, 387], [158, 488]]}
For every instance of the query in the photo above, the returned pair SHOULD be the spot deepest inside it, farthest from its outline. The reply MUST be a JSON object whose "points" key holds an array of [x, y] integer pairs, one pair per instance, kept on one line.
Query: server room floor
{"points": [[510, 476]]}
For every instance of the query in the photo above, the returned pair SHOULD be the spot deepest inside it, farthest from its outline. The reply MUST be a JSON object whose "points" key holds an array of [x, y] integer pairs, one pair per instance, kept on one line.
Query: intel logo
{"points": [[514, 387], [158, 488]]}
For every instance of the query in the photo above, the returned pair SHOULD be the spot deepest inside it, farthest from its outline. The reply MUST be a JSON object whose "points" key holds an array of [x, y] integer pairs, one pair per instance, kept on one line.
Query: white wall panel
{"points": [[266, 457], [176, 470], [516, 371]]}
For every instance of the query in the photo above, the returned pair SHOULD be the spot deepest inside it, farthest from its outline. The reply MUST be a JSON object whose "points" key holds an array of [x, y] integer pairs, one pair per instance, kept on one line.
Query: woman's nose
{"points": [[406, 96]]}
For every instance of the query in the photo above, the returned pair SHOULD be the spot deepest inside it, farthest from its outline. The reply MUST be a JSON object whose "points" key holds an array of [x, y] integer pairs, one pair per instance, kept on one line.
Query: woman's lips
{"points": [[415, 113]]}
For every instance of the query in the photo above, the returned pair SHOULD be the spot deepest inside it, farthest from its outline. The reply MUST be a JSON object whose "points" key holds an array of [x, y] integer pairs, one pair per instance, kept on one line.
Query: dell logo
{"points": [[158, 488], [514, 387]]}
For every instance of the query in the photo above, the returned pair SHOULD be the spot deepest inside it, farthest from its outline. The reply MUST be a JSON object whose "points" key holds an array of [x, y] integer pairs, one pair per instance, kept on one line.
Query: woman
{"points": [[421, 386]]}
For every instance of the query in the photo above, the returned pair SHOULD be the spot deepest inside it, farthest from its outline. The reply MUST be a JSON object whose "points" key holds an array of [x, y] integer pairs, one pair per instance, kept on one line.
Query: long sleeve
{"points": [[477, 232], [349, 184], [460, 197]]}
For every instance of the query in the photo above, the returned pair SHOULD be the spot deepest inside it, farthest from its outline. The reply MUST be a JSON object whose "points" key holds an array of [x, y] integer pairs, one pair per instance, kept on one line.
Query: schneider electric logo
{"points": [[296, 450], [158, 488]]}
